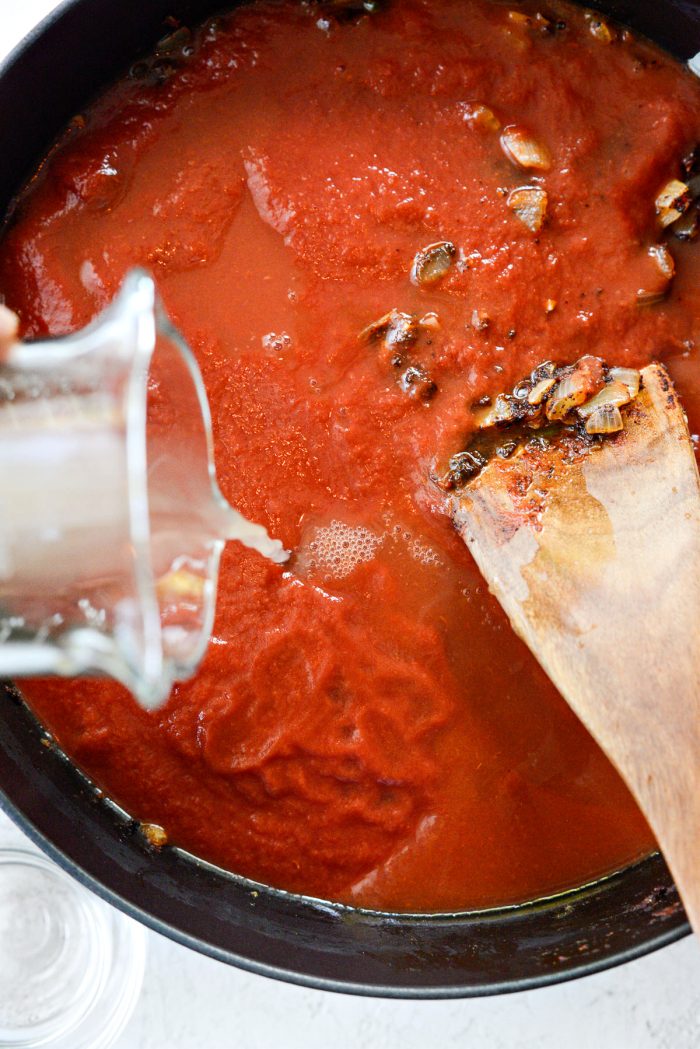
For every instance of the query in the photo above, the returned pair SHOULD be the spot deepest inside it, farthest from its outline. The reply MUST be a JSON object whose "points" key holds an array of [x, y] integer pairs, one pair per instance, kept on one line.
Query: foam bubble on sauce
{"points": [[336, 549], [424, 553], [339, 548], [276, 342], [418, 550]]}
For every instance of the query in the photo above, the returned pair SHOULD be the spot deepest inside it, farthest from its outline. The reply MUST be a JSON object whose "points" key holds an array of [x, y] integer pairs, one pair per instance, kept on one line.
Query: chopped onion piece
{"points": [[569, 393], [480, 116], [538, 393], [613, 393], [664, 260], [154, 834], [550, 305], [650, 298], [377, 329], [480, 320], [522, 149], [431, 264], [416, 382], [575, 387], [600, 29], [430, 321], [537, 21], [501, 411], [605, 419], [545, 370], [529, 203], [629, 377], [672, 201], [395, 328]]}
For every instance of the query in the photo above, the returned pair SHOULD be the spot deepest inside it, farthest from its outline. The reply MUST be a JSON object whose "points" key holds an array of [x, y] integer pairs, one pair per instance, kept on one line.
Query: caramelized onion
{"points": [[600, 29], [629, 377], [154, 834], [395, 328], [416, 382], [664, 260], [501, 411], [605, 419], [432, 263], [529, 204], [480, 320], [430, 321], [524, 150], [540, 390], [616, 393], [585, 379], [673, 199], [480, 116], [537, 21]]}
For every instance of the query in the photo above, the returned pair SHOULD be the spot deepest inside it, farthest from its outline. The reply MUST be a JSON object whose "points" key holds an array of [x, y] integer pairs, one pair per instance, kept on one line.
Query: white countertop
{"points": [[191, 1002]]}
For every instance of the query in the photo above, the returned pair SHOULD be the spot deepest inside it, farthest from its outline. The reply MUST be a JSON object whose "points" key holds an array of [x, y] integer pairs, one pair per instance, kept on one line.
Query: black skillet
{"points": [[83, 46]]}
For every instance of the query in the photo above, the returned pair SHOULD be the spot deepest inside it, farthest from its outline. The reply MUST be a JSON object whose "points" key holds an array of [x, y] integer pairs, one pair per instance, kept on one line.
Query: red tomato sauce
{"points": [[366, 727]]}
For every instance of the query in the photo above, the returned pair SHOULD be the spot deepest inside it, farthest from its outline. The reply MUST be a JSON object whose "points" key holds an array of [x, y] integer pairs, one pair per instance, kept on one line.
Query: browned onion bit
{"points": [[416, 382], [663, 259], [580, 400], [154, 834], [607, 418], [523, 149], [480, 320], [575, 386], [529, 204], [599, 28], [672, 200], [462, 467], [432, 263], [665, 268], [396, 333], [613, 394], [537, 22], [650, 298], [394, 329], [538, 393], [479, 116]]}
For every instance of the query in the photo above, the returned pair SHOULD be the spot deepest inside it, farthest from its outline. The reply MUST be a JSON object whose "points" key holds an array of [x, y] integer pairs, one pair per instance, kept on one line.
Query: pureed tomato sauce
{"points": [[366, 727]]}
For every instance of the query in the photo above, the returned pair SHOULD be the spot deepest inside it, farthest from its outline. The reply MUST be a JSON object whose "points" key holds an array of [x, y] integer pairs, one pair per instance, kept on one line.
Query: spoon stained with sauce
{"points": [[594, 554]]}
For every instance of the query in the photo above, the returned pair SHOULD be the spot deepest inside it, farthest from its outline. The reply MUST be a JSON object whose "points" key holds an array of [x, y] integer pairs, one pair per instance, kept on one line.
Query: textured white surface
{"points": [[191, 1002]]}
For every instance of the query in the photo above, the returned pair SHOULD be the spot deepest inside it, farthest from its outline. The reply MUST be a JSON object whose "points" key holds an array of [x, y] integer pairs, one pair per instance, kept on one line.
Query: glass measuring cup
{"points": [[111, 520]]}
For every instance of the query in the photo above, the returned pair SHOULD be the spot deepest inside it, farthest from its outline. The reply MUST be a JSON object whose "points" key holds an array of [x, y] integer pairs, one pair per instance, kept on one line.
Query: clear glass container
{"points": [[71, 966], [111, 519]]}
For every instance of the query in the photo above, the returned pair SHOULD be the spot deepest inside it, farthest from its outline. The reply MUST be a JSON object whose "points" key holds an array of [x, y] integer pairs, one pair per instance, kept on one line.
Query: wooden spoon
{"points": [[594, 553]]}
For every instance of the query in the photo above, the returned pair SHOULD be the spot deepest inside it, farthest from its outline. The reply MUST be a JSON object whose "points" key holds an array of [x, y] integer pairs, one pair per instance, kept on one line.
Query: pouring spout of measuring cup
{"points": [[234, 525], [111, 519]]}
